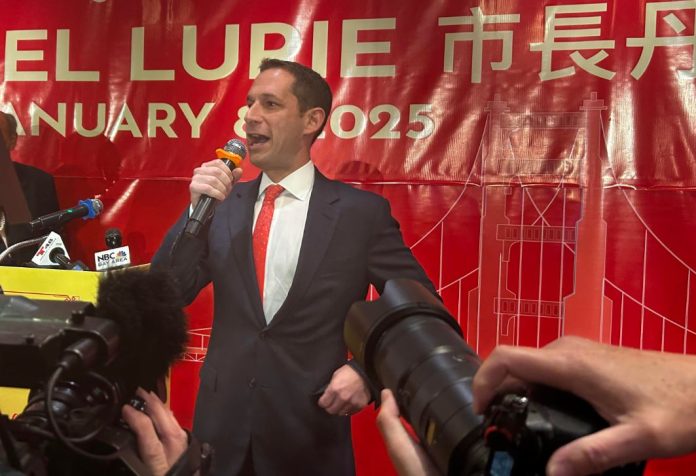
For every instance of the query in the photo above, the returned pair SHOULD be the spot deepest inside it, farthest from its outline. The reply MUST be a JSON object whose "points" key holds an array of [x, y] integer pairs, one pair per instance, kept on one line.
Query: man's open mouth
{"points": [[255, 139]]}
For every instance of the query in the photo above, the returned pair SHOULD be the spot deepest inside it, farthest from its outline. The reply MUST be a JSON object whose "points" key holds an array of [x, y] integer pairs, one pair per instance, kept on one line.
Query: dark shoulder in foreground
{"points": [[29, 172]]}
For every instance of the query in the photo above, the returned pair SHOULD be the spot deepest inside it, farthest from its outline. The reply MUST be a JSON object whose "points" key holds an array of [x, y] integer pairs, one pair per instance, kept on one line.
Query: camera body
{"points": [[36, 338], [408, 342], [36, 334]]}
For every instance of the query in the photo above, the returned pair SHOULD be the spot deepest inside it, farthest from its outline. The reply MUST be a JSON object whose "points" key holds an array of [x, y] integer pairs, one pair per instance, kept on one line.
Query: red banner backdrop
{"points": [[539, 155]]}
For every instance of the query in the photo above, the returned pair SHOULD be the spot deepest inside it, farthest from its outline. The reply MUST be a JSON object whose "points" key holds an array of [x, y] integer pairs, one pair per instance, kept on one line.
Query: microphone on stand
{"points": [[116, 256], [52, 254], [85, 209], [113, 238]]}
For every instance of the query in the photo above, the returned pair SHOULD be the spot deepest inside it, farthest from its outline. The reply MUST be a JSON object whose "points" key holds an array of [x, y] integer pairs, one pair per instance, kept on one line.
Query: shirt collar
{"points": [[298, 184]]}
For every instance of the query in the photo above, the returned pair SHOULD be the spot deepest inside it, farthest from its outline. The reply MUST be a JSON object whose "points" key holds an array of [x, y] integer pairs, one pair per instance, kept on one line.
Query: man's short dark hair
{"points": [[309, 87]]}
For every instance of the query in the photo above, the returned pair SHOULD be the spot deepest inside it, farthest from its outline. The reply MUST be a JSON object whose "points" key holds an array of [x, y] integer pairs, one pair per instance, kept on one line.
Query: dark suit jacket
{"points": [[40, 191], [259, 382]]}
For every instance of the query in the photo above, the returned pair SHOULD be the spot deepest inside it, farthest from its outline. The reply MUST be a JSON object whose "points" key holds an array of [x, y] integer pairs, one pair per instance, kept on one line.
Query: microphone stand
{"points": [[20, 245]]}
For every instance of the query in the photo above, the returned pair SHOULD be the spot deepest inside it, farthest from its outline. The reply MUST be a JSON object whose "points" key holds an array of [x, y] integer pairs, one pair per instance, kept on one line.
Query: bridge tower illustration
{"points": [[543, 236]]}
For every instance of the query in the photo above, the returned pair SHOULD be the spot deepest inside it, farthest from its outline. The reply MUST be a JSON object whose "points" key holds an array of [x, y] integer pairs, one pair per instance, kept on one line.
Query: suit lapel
{"points": [[322, 216], [240, 228]]}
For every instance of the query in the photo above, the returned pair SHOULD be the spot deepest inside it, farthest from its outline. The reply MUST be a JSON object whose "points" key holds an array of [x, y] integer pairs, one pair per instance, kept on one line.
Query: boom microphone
{"points": [[85, 209], [152, 325], [232, 155]]}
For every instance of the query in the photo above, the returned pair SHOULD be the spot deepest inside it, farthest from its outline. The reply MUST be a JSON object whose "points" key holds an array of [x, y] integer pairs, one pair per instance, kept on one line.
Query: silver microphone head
{"points": [[97, 206], [235, 146]]}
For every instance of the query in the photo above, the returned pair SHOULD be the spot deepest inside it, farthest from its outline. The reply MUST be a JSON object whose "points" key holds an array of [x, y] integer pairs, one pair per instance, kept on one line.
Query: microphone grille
{"points": [[97, 205], [113, 238], [235, 146]]}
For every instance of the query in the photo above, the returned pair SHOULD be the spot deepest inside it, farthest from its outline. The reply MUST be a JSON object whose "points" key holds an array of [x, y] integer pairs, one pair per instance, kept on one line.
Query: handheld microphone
{"points": [[116, 256], [85, 209], [232, 155]]}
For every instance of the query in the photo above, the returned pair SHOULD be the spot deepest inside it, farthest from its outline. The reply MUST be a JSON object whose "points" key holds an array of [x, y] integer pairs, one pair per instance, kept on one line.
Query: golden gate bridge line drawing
{"points": [[542, 180], [543, 251], [197, 346]]}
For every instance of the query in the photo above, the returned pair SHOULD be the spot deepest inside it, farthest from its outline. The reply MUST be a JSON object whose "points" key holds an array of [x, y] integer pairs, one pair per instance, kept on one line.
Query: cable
{"points": [[21, 244], [104, 421], [56, 428]]}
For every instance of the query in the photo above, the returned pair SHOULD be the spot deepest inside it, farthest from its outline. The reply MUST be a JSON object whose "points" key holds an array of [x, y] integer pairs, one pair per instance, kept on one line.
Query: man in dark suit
{"points": [[287, 253], [38, 187]]}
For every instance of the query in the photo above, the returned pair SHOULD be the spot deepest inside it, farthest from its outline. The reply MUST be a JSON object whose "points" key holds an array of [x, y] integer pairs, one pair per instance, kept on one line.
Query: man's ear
{"points": [[314, 118]]}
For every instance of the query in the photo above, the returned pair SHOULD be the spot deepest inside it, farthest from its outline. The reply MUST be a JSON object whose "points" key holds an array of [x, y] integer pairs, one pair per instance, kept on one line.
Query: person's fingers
{"points": [[331, 400], [206, 185], [494, 371], [219, 175], [139, 422], [210, 163], [388, 407], [346, 393], [163, 420], [544, 366], [217, 169], [214, 180], [327, 398], [337, 407], [173, 438], [149, 446], [509, 384], [598, 452], [395, 436], [408, 457]]}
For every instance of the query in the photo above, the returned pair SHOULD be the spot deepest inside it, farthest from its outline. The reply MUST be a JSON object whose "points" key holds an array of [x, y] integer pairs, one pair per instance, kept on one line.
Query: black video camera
{"points": [[82, 363], [62, 352], [408, 342]]}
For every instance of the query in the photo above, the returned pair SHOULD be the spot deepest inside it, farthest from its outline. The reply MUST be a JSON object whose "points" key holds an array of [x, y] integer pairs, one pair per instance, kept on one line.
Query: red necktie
{"points": [[261, 230]]}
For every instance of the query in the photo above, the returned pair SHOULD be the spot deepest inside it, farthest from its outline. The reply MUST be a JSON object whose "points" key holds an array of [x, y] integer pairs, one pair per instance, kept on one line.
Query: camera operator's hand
{"points": [[161, 441], [647, 397], [406, 454]]}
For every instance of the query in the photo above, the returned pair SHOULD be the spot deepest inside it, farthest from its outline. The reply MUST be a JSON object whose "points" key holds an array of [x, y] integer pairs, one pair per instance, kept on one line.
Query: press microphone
{"points": [[52, 254], [85, 209], [148, 309], [58, 256], [232, 155], [116, 256], [113, 238]]}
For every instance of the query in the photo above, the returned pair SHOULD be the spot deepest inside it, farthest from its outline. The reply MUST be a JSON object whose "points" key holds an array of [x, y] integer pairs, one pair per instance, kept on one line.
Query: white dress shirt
{"points": [[285, 236]]}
